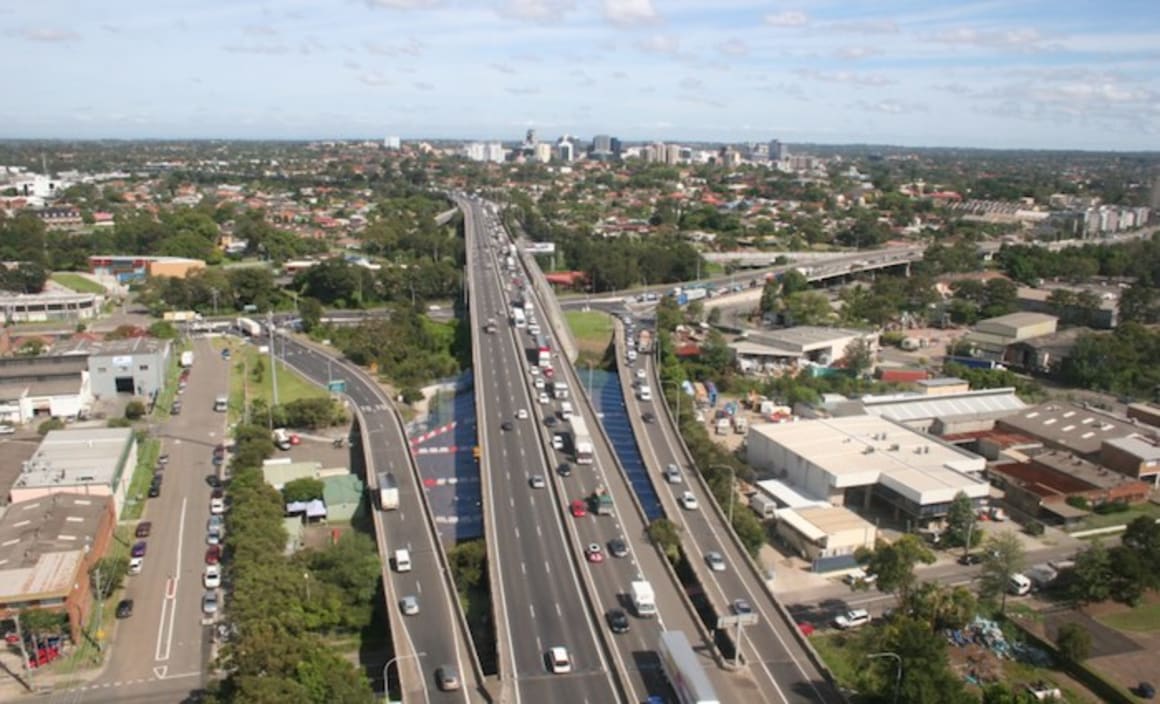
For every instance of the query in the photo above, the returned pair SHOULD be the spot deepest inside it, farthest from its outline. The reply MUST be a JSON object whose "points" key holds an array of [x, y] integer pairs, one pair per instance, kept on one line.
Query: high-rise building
{"points": [[778, 151], [392, 143], [602, 145], [565, 150], [542, 152], [489, 151], [618, 148], [673, 154]]}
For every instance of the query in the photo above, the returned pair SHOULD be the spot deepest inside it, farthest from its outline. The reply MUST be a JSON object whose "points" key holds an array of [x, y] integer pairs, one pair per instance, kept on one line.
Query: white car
{"points": [[217, 506], [409, 605], [853, 619], [136, 564], [538, 383], [558, 660], [534, 371], [715, 561], [640, 374], [859, 576], [543, 399], [688, 501], [212, 577], [522, 414], [673, 474], [557, 442]]}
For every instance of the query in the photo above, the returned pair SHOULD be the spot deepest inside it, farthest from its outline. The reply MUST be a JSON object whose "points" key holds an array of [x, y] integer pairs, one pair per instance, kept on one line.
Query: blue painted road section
{"points": [[442, 447], [608, 397]]}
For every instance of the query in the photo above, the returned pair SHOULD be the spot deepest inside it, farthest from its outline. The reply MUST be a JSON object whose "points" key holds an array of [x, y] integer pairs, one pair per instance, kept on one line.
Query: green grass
{"points": [[147, 453], [244, 385], [590, 328], [1143, 618], [169, 392], [1115, 519], [843, 660], [77, 282]]}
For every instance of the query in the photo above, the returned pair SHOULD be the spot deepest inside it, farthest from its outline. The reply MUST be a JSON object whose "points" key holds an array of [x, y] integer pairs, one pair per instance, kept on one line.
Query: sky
{"points": [[1043, 74]]}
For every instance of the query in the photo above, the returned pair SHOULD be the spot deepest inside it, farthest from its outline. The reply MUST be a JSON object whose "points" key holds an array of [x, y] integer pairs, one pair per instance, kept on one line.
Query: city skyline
{"points": [[977, 74]]}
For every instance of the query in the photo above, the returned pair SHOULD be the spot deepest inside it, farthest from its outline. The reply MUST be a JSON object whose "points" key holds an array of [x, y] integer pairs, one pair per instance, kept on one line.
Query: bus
{"points": [[518, 318]]}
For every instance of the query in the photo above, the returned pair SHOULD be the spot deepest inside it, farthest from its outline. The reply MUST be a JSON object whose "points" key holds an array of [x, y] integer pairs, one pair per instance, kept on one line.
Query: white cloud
{"points": [[259, 30], [423, 85], [733, 47], [660, 44], [523, 91], [890, 107], [374, 79], [403, 4], [691, 84], [263, 49], [502, 68], [411, 47], [1018, 39], [46, 34], [630, 12], [855, 53], [849, 77], [536, 10], [865, 27], [788, 18]]}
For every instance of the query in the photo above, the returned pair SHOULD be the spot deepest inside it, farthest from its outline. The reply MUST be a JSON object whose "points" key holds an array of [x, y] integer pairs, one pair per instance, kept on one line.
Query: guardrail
{"points": [[551, 306], [787, 618]]}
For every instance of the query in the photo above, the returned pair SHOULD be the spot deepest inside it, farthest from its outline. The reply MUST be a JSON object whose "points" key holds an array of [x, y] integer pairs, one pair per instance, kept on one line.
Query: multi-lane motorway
{"points": [[539, 591], [432, 638]]}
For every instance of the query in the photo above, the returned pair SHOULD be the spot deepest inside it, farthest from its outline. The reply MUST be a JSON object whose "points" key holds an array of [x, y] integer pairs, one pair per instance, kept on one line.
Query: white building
{"points": [[485, 151], [796, 346], [855, 459], [542, 152], [92, 462], [392, 143]]}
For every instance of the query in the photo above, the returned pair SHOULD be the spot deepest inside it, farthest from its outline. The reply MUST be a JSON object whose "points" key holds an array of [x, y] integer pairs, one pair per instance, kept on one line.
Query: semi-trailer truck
{"points": [[683, 671]]}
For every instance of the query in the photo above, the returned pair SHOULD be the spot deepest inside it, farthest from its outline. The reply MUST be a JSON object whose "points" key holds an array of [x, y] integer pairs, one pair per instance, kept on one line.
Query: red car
{"points": [[579, 508], [213, 554], [143, 529], [594, 553]]}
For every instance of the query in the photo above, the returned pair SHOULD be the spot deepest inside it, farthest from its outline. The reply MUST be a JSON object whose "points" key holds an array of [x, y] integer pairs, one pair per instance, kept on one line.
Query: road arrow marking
{"points": [[159, 672]]}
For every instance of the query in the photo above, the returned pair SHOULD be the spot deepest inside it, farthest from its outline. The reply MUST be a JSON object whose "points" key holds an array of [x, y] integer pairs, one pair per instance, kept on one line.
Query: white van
{"points": [[1019, 585], [221, 404], [403, 560], [566, 410]]}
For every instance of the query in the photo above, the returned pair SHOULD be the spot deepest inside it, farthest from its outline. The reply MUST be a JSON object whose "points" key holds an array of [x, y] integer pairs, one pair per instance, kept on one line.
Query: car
{"points": [[549, 372], [217, 505], [648, 417], [209, 603], [136, 564], [673, 476], [688, 501], [1145, 690], [225, 354], [138, 549], [163, 459], [539, 384], [212, 578], [617, 547], [447, 678], [506, 425], [551, 421], [175, 409], [522, 414], [543, 399], [852, 619], [579, 508], [741, 607], [594, 553], [557, 442], [858, 577], [219, 450], [154, 490], [536, 481], [144, 528], [559, 663], [214, 481], [213, 554], [971, 558], [534, 371], [124, 608], [7, 429], [564, 469], [218, 460], [641, 374], [617, 621], [715, 561], [409, 605], [213, 536], [218, 493]]}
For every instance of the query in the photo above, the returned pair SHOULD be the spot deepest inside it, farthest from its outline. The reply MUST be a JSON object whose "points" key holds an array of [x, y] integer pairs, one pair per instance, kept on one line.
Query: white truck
{"points": [[187, 359], [683, 671], [388, 492], [249, 327], [644, 600], [581, 439]]}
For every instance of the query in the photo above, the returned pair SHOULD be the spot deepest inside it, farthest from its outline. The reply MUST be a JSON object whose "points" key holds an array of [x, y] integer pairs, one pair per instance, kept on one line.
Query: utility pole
{"points": [[214, 292], [273, 359], [23, 652]]}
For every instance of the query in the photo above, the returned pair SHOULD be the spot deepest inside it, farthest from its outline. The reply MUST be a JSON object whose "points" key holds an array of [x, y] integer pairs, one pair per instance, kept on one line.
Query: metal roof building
{"points": [[936, 412]]}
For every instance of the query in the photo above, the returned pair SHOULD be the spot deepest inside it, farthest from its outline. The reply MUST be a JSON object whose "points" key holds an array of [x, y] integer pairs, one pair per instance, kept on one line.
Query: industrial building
{"points": [[990, 338], [55, 386], [136, 365], [942, 406], [859, 459], [1135, 457], [773, 350], [92, 462], [1041, 486], [49, 306], [128, 268], [814, 529], [1071, 427], [48, 546]]}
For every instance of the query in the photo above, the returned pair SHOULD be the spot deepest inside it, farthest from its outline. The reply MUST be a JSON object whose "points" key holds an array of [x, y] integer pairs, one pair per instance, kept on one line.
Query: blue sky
{"points": [[1064, 74]]}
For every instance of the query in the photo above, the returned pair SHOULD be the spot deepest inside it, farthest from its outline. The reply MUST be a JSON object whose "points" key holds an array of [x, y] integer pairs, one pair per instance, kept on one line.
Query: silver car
{"points": [[209, 603], [715, 561]]}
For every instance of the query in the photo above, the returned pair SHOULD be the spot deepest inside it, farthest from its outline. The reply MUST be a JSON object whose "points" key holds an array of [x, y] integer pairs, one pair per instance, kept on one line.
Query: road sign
{"points": [[336, 386], [738, 620]]}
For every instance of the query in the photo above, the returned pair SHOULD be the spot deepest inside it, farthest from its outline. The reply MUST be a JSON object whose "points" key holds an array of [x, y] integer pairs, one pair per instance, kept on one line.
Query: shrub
{"points": [[1035, 528], [1111, 507], [49, 425], [1079, 502], [135, 409], [1074, 642]]}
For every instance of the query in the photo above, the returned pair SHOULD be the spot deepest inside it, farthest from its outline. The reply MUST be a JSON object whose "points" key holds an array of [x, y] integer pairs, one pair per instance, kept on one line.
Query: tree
{"points": [[667, 535], [809, 308], [107, 575], [1001, 693], [1003, 557], [792, 281], [32, 347], [1074, 642], [1091, 579], [303, 489], [941, 606], [310, 309], [50, 425], [859, 357], [893, 564], [769, 296], [163, 330], [961, 523], [135, 409], [926, 675]]}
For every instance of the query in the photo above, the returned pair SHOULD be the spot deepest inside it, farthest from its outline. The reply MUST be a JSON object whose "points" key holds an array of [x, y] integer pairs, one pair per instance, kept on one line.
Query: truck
{"points": [[180, 316], [388, 492], [511, 263], [559, 390], [683, 671], [603, 501], [973, 362], [644, 341], [764, 506], [644, 601], [581, 439], [187, 359], [740, 425], [691, 294], [249, 327], [543, 356]]}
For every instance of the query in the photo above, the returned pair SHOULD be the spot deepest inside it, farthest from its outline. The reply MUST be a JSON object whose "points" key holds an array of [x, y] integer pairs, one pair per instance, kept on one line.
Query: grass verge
{"points": [[147, 453], [1142, 618], [1124, 518], [169, 392], [246, 384], [77, 282], [592, 330]]}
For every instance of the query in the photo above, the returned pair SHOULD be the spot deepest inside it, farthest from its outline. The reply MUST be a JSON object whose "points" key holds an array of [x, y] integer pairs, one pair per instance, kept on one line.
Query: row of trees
{"points": [[1121, 573], [1125, 361], [280, 608]]}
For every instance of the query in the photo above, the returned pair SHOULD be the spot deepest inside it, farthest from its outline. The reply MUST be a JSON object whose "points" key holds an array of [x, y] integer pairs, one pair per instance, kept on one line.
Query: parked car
{"points": [[213, 536], [125, 608], [209, 603], [143, 529], [971, 558], [852, 619], [213, 554], [217, 506], [138, 549], [212, 579]]}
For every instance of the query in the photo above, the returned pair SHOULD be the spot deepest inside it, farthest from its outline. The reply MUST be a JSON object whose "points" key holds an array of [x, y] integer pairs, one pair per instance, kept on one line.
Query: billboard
{"points": [[541, 248]]}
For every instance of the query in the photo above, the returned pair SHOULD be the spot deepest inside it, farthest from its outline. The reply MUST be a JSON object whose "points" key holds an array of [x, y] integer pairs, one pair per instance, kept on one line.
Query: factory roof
{"points": [[77, 457], [1071, 426], [905, 407], [43, 541]]}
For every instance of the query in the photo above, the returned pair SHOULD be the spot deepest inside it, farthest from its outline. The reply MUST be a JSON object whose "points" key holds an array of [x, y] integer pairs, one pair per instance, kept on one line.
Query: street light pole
{"points": [[386, 684], [897, 672]]}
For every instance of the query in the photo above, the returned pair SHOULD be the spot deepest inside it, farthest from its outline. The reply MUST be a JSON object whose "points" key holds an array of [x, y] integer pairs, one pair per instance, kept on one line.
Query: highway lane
{"points": [[434, 630], [776, 660], [540, 588]]}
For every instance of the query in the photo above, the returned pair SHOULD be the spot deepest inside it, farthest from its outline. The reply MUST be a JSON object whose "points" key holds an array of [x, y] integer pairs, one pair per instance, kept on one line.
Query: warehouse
{"points": [[797, 346], [134, 268], [40, 387], [990, 338], [135, 366], [1071, 427], [857, 459], [938, 412], [91, 461]]}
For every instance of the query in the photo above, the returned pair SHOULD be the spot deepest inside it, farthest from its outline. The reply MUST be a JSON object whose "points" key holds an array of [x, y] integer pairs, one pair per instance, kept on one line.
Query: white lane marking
{"points": [[170, 600]]}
